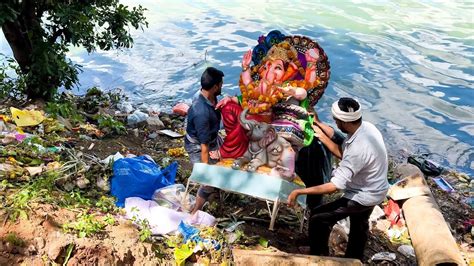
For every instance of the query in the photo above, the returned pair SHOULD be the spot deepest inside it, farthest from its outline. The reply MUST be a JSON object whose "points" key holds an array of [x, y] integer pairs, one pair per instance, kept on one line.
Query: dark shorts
{"points": [[194, 152]]}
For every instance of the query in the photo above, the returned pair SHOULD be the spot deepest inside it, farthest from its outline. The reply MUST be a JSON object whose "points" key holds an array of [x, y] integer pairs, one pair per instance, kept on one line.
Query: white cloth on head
{"points": [[346, 116]]}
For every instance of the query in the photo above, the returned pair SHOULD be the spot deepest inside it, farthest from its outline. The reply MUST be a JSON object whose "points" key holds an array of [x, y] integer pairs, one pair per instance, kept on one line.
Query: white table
{"points": [[272, 189]]}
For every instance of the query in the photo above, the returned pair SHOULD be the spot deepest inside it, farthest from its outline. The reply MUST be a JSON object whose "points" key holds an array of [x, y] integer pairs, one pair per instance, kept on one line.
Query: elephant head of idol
{"points": [[282, 62]]}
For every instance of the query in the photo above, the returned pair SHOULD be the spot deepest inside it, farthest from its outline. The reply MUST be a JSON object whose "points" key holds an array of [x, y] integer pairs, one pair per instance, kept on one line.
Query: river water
{"points": [[410, 63]]}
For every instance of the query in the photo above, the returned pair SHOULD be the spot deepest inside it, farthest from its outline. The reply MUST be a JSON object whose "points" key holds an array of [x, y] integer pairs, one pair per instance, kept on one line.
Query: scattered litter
{"points": [[428, 167], [161, 220], [399, 235], [176, 152], [233, 226], [388, 256], [136, 117], [376, 214], [34, 170], [443, 184], [174, 197], [202, 218], [345, 224], [112, 158], [125, 107], [181, 109], [393, 213], [24, 118], [139, 177], [91, 146], [170, 133], [407, 250], [153, 135]]}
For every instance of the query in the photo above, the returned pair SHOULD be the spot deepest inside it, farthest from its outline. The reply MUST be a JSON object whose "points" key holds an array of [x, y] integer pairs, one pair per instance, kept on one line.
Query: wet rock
{"points": [[154, 123]]}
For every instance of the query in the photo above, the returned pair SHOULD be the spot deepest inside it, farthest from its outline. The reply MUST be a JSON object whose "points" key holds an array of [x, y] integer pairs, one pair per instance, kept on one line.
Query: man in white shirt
{"points": [[361, 174]]}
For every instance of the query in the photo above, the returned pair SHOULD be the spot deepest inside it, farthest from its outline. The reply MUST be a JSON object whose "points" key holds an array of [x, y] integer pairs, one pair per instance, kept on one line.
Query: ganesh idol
{"points": [[268, 123]]}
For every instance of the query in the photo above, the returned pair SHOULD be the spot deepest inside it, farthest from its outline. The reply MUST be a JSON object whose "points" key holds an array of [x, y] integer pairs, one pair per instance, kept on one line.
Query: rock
{"points": [[103, 184], [406, 169], [39, 242], [135, 132], [154, 123], [8, 247], [82, 183], [153, 135], [4, 261], [55, 248], [166, 120]]}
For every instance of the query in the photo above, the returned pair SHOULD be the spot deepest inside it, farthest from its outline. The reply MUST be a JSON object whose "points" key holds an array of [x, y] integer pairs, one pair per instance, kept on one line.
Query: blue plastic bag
{"points": [[139, 177]]}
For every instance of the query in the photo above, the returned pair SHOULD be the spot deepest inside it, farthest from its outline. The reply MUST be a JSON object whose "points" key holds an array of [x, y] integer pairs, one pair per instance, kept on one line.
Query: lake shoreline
{"points": [[43, 233]]}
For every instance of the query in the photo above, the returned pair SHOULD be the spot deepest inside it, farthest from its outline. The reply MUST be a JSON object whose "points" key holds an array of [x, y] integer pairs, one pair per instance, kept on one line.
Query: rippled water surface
{"points": [[409, 62]]}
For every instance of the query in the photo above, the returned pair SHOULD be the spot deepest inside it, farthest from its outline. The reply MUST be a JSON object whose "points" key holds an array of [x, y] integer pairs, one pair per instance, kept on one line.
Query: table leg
{"points": [[274, 214], [187, 190]]}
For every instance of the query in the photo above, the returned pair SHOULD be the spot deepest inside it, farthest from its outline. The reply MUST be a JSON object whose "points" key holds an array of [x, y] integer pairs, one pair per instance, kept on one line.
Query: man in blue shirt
{"points": [[202, 127]]}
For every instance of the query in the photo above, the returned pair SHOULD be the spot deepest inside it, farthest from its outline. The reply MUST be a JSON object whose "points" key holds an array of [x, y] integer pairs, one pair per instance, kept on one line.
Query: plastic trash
{"points": [[24, 118], [112, 158], [428, 167], [174, 197], [139, 177], [233, 226], [376, 214], [388, 256], [189, 232], [407, 250], [161, 220], [345, 224], [181, 109], [443, 184], [202, 218], [125, 107], [136, 117]]}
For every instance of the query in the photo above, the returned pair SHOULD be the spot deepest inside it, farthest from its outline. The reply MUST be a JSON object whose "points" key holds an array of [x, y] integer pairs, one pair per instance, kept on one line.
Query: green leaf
{"points": [[182, 253], [23, 215], [263, 242]]}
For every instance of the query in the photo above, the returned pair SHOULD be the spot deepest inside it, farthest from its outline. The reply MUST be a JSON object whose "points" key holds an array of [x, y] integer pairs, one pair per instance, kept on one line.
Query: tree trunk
{"points": [[19, 43]]}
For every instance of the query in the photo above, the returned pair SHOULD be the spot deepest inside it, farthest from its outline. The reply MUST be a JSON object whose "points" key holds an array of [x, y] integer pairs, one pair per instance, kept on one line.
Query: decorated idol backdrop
{"points": [[282, 78]]}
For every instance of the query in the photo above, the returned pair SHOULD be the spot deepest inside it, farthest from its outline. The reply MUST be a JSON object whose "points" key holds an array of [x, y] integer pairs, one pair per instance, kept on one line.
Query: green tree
{"points": [[40, 33]]}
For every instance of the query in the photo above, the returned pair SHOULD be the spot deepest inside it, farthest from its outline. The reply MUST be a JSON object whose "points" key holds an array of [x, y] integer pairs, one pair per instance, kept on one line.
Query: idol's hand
{"points": [[223, 102], [312, 55], [215, 155], [247, 59]]}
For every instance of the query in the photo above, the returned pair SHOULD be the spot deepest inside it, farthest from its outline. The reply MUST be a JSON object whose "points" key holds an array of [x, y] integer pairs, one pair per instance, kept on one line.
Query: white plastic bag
{"points": [[174, 197]]}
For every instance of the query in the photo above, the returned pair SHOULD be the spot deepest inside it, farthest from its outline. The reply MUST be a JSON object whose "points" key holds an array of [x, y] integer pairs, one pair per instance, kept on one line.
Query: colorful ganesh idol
{"points": [[269, 122]]}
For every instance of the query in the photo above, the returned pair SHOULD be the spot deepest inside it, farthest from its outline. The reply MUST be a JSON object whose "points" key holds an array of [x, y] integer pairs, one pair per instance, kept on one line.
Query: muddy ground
{"points": [[41, 240]]}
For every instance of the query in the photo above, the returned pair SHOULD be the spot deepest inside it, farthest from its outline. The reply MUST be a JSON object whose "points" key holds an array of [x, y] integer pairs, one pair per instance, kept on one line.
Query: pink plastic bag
{"points": [[181, 109]]}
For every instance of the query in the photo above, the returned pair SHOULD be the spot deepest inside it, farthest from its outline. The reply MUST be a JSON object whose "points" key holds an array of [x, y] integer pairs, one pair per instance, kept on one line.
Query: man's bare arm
{"points": [[205, 153]]}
